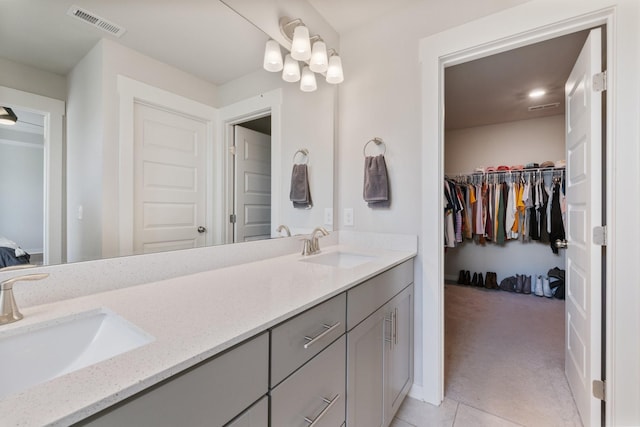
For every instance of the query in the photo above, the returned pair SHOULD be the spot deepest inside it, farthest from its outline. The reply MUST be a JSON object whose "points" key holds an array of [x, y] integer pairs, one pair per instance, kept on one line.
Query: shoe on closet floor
{"points": [[467, 277], [538, 289], [474, 281], [480, 280], [546, 289], [491, 280], [508, 284], [526, 284], [519, 283], [461, 278]]}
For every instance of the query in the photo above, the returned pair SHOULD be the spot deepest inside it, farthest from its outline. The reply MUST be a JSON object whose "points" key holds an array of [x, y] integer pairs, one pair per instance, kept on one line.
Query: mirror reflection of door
{"points": [[170, 180], [22, 177], [252, 180]]}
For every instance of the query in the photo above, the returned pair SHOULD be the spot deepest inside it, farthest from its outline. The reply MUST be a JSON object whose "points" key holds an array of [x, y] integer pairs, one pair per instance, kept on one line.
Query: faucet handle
{"points": [[9, 312]]}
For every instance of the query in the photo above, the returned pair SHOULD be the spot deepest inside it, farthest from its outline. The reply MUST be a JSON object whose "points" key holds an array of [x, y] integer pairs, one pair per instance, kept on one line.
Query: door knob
{"points": [[561, 244], [202, 229]]}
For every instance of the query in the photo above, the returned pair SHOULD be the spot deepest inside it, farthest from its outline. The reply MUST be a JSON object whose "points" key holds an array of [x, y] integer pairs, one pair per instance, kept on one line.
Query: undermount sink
{"points": [[37, 353], [340, 259]]}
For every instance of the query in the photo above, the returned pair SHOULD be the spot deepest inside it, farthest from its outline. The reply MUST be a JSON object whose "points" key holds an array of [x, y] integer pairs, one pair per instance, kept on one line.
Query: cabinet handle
{"points": [[330, 403], [317, 338], [395, 326], [390, 339]]}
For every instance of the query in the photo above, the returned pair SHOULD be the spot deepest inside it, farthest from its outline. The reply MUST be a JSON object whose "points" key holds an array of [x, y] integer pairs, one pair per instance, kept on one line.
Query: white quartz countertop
{"points": [[192, 318]]}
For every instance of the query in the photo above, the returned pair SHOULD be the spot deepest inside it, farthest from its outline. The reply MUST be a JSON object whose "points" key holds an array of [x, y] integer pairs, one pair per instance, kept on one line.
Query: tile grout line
{"points": [[492, 414], [455, 414]]}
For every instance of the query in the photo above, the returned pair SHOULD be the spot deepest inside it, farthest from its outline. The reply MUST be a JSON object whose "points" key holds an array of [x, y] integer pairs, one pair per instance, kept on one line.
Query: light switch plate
{"points": [[328, 216], [348, 217]]}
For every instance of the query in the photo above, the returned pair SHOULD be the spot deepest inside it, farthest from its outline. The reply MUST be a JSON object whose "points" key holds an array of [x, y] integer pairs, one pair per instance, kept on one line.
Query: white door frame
{"points": [[476, 40], [53, 111], [268, 103], [132, 91]]}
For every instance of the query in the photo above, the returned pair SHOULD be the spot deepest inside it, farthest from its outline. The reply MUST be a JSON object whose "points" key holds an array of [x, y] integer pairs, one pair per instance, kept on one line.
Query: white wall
{"points": [[32, 80], [511, 143], [85, 124], [381, 97], [22, 195], [307, 121]]}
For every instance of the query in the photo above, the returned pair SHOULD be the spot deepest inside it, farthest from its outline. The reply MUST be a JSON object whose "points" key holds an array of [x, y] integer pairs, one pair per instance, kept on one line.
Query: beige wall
{"points": [[32, 80]]}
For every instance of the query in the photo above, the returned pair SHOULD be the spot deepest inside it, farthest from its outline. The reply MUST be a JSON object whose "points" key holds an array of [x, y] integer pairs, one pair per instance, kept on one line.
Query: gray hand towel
{"points": [[376, 182], [300, 194]]}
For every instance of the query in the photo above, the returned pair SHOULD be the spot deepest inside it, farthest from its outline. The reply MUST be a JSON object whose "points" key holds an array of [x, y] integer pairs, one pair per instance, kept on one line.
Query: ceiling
{"points": [[495, 89], [484, 91], [44, 36]]}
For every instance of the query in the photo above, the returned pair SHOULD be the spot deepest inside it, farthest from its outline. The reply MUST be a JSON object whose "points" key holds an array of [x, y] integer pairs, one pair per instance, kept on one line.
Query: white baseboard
{"points": [[416, 392]]}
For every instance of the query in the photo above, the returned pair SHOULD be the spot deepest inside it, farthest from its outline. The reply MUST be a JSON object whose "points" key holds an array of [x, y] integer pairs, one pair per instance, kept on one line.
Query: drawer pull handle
{"points": [[315, 339], [330, 403]]}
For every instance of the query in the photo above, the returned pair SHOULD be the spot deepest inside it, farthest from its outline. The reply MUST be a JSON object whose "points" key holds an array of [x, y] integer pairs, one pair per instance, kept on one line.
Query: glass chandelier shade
{"points": [[301, 46], [272, 57], [291, 70]]}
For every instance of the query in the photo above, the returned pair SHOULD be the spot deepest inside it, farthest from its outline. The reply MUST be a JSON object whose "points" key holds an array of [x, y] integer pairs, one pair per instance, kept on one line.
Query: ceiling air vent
{"points": [[544, 106], [96, 21]]}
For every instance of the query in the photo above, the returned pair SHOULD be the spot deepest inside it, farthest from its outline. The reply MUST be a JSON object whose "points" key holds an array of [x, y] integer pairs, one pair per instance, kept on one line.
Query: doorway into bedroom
{"points": [[22, 195], [251, 216]]}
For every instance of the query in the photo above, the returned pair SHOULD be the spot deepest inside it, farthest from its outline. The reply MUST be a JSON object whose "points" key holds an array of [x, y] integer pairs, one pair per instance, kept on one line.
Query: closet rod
{"points": [[517, 171]]}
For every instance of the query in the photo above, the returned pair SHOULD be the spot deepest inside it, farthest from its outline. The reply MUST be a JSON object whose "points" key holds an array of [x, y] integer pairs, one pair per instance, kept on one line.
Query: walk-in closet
{"points": [[504, 196]]}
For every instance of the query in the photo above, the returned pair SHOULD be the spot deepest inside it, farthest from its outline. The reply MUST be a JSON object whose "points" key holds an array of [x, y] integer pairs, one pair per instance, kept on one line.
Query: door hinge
{"points": [[600, 235], [600, 81], [599, 389], [232, 218], [232, 150]]}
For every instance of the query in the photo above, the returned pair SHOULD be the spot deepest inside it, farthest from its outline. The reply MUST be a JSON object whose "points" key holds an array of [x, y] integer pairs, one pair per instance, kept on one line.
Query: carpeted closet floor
{"points": [[504, 363]]}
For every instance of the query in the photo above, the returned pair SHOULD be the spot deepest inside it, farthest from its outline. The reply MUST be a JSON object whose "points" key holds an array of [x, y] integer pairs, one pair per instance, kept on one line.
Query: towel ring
{"points": [[377, 141], [305, 153]]}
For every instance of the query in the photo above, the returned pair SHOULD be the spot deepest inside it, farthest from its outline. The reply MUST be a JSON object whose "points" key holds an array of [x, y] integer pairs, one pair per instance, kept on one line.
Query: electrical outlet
{"points": [[328, 216], [348, 217]]}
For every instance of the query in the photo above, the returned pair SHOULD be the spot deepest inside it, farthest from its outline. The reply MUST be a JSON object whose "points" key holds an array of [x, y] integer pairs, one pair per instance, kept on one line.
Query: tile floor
{"points": [[451, 413]]}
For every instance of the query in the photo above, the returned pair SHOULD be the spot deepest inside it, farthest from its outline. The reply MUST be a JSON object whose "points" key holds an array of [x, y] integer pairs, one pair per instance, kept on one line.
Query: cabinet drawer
{"points": [[315, 392], [256, 416], [297, 340], [210, 394], [369, 296]]}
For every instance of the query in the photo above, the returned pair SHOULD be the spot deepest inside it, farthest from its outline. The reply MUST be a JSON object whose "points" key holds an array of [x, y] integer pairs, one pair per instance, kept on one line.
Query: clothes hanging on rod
{"points": [[501, 206]]}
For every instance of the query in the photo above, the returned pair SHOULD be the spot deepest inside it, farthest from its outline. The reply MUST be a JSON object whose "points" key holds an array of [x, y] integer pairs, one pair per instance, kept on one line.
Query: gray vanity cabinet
{"points": [[314, 395], [210, 394], [256, 416], [380, 347]]}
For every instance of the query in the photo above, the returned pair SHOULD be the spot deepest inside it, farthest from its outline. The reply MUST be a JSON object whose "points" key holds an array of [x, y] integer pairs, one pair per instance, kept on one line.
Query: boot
{"points": [[494, 280], [488, 280], [546, 289], [480, 280], [519, 283], [539, 292], [474, 281], [467, 278], [526, 287], [461, 278]]}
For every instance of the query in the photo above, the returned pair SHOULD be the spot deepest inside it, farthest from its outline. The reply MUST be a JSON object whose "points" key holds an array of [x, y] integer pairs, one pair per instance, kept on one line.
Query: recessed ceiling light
{"points": [[537, 93]]}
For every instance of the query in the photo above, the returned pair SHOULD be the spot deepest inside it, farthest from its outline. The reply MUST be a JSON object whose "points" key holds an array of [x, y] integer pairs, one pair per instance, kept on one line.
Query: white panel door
{"points": [[169, 180], [252, 185], [584, 202]]}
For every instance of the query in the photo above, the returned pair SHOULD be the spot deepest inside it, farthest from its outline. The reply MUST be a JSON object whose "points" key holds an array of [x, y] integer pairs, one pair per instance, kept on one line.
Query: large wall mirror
{"points": [[168, 133]]}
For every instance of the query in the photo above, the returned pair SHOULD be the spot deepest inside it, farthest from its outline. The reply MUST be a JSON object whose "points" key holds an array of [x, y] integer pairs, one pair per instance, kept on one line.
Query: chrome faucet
{"points": [[9, 312], [311, 245], [285, 228]]}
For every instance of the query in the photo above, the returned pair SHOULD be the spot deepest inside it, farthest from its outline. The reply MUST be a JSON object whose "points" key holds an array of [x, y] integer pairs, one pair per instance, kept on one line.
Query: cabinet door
{"points": [[210, 394], [365, 371], [399, 360], [256, 416]]}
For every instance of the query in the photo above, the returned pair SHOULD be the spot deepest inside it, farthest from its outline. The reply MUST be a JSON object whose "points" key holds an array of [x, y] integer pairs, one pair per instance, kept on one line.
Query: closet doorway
{"points": [[508, 352]]}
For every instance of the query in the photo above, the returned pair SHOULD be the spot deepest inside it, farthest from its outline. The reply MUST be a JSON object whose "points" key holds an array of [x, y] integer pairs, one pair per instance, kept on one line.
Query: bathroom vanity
{"points": [[323, 340]]}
